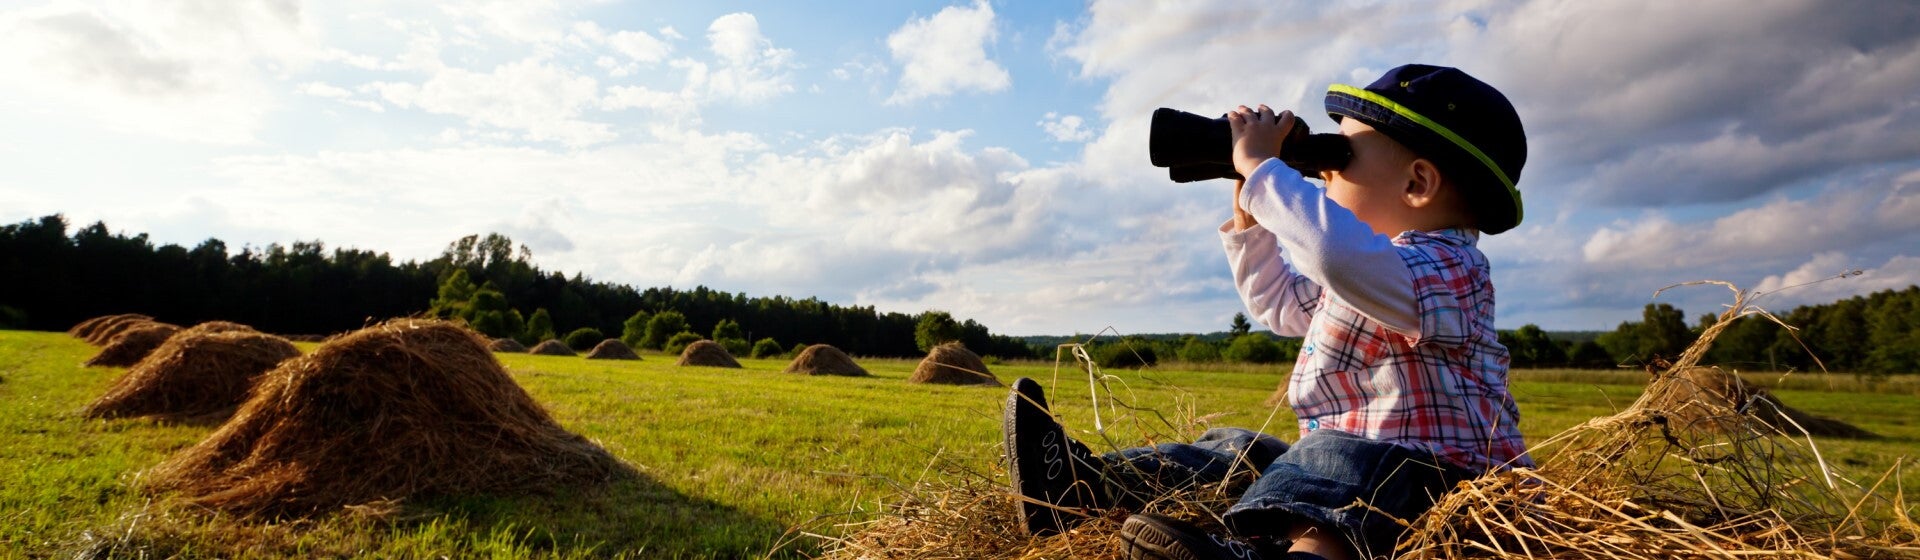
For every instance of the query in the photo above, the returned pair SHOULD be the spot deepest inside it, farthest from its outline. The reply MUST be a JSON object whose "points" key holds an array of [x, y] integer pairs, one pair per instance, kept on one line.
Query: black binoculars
{"points": [[1196, 148]]}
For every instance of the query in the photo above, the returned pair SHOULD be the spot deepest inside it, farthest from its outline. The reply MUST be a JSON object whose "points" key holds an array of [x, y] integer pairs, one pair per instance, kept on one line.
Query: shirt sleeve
{"points": [[1274, 294], [1332, 248]]}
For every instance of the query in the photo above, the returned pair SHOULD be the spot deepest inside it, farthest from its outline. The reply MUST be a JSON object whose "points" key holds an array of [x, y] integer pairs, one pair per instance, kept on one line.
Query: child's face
{"points": [[1372, 184]]}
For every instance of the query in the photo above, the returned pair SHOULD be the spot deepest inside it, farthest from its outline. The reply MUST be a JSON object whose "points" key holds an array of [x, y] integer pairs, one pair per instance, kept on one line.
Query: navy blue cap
{"points": [[1465, 126]]}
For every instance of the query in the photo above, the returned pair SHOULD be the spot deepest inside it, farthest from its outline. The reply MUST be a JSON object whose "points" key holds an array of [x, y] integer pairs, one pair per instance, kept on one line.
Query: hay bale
{"points": [[401, 410], [953, 364], [85, 329], [104, 331], [1709, 398], [507, 345], [133, 344], [707, 353], [211, 327], [822, 359], [551, 347], [193, 375], [612, 349]]}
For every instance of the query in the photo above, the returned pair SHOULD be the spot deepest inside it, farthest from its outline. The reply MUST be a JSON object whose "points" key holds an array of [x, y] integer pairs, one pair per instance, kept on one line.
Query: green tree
{"points": [[662, 327], [679, 341], [727, 329], [455, 291], [1126, 353], [1530, 347], [539, 328], [584, 338], [1240, 326], [634, 331], [735, 346], [935, 328], [766, 348], [1253, 349], [1199, 351], [1589, 354], [489, 313]]}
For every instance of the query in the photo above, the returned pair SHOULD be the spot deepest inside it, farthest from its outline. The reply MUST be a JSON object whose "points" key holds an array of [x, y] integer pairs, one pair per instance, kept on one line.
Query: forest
{"points": [[56, 277]]}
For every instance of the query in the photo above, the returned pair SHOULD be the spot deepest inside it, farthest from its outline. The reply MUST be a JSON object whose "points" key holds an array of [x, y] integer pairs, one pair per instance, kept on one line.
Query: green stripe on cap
{"points": [[1415, 116]]}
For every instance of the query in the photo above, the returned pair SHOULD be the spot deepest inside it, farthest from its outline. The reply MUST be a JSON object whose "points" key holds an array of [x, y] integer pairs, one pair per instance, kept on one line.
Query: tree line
{"points": [[56, 279]]}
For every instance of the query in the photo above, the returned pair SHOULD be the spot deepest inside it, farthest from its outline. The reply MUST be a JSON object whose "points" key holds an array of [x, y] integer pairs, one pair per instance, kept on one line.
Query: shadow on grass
{"points": [[633, 517]]}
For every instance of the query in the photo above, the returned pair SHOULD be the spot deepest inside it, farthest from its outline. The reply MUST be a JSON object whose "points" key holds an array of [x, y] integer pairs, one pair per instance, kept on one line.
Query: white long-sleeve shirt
{"points": [[1399, 342]]}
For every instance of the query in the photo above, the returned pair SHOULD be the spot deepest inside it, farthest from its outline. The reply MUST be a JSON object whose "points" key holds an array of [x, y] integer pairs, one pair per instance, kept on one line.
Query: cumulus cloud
{"points": [[169, 70], [542, 101], [947, 54], [749, 68], [1065, 128], [1833, 276]]}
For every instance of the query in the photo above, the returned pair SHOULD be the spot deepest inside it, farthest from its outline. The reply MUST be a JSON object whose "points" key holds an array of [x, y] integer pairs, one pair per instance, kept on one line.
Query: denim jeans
{"points": [[1322, 480]]}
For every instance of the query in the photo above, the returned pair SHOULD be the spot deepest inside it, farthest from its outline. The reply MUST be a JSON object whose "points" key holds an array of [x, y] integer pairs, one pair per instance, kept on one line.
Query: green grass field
{"points": [[736, 463]]}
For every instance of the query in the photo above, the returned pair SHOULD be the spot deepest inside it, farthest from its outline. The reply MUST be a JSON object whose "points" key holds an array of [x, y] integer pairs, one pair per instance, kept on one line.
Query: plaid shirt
{"points": [[1444, 392]]}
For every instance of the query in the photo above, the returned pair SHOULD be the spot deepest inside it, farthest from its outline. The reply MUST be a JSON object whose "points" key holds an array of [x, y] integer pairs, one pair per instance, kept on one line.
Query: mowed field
{"points": [[735, 463]]}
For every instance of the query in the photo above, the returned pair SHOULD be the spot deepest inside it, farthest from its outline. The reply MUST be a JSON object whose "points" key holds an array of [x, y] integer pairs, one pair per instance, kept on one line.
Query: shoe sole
{"points": [[1150, 537]]}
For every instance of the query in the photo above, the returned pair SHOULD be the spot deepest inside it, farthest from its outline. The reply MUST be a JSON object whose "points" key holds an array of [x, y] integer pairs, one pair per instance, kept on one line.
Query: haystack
{"points": [[612, 349], [193, 375], [211, 327], [85, 329], [551, 347], [822, 359], [707, 353], [953, 364], [1709, 398], [401, 410], [133, 344], [507, 345], [104, 331]]}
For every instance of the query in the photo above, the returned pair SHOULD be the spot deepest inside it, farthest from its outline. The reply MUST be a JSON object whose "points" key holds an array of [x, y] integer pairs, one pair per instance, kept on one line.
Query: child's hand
{"points": [[1257, 135]]}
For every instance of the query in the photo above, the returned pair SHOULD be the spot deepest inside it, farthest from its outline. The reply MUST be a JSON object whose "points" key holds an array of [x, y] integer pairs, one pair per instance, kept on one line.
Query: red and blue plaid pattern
{"points": [[1444, 393]]}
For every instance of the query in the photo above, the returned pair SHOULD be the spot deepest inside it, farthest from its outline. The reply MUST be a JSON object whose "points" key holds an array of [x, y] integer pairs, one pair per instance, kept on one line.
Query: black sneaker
{"points": [[1158, 537], [1047, 466]]}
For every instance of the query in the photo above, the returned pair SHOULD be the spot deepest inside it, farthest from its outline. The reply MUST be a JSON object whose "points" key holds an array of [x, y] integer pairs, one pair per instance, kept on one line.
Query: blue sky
{"points": [[985, 158]]}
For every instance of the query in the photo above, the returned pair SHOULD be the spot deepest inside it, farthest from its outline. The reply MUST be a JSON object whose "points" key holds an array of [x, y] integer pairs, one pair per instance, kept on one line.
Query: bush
{"points": [[679, 342], [798, 347], [583, 338], [1125, 354], [766, 348], [11, 318], [663, 327], [1199, 351], [726, 329], [735, 346], [1254, 349], [539, 328], [634, 331]]}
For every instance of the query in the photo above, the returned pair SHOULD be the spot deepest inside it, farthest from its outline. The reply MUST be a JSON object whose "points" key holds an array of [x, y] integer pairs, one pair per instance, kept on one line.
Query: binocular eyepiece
{"points": [[1196, 148]]}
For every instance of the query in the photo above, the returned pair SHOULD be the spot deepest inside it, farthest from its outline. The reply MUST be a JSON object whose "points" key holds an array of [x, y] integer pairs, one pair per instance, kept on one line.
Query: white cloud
{"points": [[1065, 128], [946, 54], [1838, 218], [750, 69], [542, 101], [168, 70], [1833, 276]]}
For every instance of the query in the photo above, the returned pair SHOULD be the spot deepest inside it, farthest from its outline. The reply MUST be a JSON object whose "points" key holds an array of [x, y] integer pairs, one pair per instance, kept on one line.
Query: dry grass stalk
{"points": [[133, 343], [104, 331], [953, 364], [1689, 470], [707, 353], [823, 359], [403, 409], [551, 347], [612, 349], [193, 375], [507, 345]]}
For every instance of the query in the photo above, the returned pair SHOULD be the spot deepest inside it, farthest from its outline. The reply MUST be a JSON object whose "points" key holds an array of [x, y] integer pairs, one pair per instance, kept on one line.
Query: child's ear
{"points": [[1423, 184]]}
